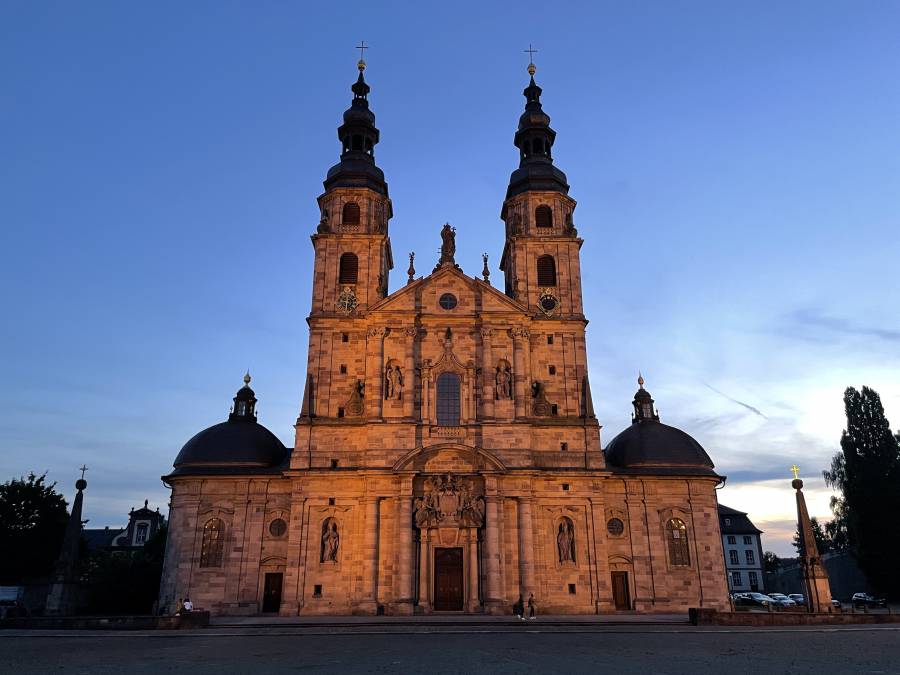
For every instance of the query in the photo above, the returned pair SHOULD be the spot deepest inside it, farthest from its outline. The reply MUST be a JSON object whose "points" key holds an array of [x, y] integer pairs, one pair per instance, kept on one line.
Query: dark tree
{"points": [[867, 474], [32, 524], [124, 582], [823, 541], [771, 562]]}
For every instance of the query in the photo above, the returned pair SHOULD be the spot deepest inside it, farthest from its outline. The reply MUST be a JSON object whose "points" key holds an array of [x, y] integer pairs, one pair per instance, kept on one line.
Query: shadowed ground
{"points": [[503, 648]]}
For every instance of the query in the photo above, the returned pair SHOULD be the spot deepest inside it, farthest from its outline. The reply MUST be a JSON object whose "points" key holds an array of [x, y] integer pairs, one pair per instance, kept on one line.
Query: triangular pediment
{"points": [[473, 296]]}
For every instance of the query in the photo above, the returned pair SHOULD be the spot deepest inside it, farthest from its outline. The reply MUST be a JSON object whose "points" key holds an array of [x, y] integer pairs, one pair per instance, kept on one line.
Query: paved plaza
{"points": [[435, 648]]}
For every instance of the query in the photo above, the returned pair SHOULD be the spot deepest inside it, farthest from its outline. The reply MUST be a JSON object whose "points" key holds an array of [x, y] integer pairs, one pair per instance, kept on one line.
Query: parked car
{"points": [[798, 598], [835, 603], [754, 600], [866, 600], [782, 600]]}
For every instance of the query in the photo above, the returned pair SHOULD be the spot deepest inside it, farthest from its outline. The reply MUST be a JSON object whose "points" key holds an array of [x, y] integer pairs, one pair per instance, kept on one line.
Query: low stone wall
{"points": [[189, 620], [711, 617]]}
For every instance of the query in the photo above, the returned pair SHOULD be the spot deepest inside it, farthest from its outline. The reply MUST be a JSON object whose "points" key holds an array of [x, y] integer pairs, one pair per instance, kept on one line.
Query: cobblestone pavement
{"points": [[516, 648]]}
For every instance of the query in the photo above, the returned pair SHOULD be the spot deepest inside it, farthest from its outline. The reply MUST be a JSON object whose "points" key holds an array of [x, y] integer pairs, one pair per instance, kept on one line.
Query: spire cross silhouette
{"points": [[83, 469], [361, 47], [531, 52]]}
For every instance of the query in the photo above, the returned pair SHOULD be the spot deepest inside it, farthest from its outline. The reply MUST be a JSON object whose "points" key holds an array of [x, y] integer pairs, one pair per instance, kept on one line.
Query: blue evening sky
{"points": [[737, 168]]}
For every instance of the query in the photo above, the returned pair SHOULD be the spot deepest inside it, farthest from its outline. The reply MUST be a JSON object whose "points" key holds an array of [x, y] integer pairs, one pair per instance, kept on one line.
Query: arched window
{"points": [[349, 269], [676, 535], [351, 214], [546, 271], [448, 400], [543, 216], [213, 539]]}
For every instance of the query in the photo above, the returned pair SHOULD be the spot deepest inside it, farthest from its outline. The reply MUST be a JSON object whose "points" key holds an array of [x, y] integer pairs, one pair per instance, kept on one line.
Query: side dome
{"points": [[241, 443], [648, 445]]}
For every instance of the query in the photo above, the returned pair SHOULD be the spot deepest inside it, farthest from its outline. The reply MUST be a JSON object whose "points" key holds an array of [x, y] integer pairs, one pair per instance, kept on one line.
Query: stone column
{"points": [[487, 375], [522, 390], [493, 591], [295, 567], [403, 594], [473, 570], [526, 548], [424, 571], [409, 374], [370, 553], [374, 391]]}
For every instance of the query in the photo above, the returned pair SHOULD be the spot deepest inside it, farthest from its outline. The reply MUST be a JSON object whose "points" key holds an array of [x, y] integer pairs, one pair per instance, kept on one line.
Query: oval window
{"points": [[447, 301], [615, 527], [277, 527]]}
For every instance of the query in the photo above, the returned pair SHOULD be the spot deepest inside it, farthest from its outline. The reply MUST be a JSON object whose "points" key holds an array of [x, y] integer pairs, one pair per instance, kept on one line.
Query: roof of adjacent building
{"points": [[739, 522]]}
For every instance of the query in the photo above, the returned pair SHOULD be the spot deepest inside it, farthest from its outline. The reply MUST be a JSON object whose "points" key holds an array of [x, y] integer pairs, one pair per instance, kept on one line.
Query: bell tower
{"points": [[352, 247], [541, 260]]}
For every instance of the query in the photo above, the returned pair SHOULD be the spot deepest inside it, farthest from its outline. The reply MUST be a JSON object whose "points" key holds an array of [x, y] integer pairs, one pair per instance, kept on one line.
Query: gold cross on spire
{"points": [[796, 471], [531, 52], [362, 50], [83, 469]]}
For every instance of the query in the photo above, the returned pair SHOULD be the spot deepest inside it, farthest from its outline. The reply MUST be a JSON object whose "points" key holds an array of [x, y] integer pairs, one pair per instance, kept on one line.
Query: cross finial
{"points": [[83, 469], [531, 52], [362, 55], [796, 471]]}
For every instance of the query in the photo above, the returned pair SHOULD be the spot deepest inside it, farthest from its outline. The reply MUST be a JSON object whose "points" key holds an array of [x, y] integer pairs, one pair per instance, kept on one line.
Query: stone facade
{"points": [[447, 456]]}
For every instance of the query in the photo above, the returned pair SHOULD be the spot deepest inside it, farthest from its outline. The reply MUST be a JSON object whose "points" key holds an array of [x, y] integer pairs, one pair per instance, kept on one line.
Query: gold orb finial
{"points": [[361, 65], [247, 378], [531, 69], [640, 380]]}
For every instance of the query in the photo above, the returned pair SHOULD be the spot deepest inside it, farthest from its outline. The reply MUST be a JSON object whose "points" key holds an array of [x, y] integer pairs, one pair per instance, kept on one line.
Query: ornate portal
{"points": [[449, 501]]}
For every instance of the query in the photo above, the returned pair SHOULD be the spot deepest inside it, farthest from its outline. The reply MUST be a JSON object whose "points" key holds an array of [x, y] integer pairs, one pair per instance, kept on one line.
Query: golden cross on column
{"points": [[796, 470]]}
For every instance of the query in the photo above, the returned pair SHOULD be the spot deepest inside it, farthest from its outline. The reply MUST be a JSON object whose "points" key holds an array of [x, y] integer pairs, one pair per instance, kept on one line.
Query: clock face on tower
{"points": [[347, 301], [548, 302]]}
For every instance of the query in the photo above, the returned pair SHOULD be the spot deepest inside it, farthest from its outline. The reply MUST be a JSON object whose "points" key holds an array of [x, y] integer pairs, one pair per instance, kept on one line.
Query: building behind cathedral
{"points": [[447, 457]]}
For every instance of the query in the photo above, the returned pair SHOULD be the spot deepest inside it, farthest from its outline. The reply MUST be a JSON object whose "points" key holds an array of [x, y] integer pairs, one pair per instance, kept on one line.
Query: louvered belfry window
{"points": [[543, 216], [546, 271], [349, 272], [351, 214]]}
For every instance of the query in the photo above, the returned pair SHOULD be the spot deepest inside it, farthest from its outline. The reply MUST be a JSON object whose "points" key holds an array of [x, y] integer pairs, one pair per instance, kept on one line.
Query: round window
{"points": [[447, 301], [277, 527], [615, 527]]}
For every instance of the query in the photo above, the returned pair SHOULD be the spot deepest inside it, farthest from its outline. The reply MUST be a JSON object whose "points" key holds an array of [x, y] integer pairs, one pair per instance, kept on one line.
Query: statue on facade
{"points": [[449, 502], [448, 245], [565, 541], [323, 222], [330, 541], [503, 381], [393, 382], [355, 405], [541, 406]]}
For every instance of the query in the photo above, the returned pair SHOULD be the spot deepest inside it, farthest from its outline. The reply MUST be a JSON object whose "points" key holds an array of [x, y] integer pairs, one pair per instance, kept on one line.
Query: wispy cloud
{"points": [[749, 407], [811, 319]]}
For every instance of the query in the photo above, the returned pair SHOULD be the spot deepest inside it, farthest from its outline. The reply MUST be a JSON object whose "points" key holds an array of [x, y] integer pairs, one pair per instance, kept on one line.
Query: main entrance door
{"points": [[448, 579], [272, 592], [620, 590]]}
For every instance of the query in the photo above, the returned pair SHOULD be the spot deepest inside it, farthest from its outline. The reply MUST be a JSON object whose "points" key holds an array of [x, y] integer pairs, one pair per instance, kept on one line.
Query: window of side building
{"points": [[733, 556]]}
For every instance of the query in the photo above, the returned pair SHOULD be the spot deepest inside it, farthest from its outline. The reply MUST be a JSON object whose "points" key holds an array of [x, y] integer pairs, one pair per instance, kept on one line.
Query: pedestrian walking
{"points": [[531, 606]]}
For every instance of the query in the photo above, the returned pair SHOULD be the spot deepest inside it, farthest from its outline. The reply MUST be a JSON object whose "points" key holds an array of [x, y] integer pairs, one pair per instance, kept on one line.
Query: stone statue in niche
{"points": [[565, 541], [541, 406], [330, 541], [447, 502], [570, 225], [323, 222], [503, 381], [393, 382], [354, 405]]}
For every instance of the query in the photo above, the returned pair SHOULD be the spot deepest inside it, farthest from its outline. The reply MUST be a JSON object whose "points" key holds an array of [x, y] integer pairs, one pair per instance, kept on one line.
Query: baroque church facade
{"points": [[447, 456]]}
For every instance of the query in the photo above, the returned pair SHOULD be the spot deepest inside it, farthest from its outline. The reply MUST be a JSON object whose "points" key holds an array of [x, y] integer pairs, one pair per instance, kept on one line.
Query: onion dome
{"points": [[358, 137], [649, 446], [240, 445], [534, 139]]}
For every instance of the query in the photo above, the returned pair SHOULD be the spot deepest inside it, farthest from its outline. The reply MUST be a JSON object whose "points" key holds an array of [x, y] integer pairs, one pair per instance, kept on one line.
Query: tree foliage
{"points": [[866, 472], [32, 526], [771, 562], [820, 534], [124, 582]]}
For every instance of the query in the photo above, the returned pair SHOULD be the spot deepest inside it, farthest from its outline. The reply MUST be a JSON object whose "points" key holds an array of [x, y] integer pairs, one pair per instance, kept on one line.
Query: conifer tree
{"points": [[867, 473]]}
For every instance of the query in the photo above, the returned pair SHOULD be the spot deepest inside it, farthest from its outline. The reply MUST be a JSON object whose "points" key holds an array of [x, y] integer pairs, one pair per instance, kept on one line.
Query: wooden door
{"points": [[621, 596], [272, 592], [448, 579]]}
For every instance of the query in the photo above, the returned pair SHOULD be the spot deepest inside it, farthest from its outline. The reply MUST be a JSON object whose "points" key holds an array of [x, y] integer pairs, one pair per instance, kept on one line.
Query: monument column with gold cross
{"points": [[812, 571]]}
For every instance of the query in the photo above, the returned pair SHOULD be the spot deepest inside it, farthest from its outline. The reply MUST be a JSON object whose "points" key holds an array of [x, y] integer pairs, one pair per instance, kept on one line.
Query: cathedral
{"points": [[447, 456]]}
